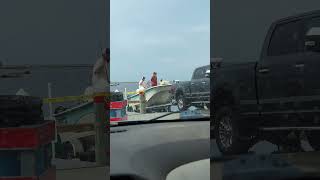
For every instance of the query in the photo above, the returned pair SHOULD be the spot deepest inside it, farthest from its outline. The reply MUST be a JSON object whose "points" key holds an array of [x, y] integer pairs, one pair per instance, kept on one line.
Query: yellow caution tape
{"points": [[133, 92], [79, 98]]}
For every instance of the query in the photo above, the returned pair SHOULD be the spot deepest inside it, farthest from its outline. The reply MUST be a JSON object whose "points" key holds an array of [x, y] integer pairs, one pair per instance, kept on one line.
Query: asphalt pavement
{"points": [[90, 173], [79, 170]]}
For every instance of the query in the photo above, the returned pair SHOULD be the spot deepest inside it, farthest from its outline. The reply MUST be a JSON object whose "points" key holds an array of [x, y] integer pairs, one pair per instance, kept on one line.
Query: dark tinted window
{"points": [[313, 26], [286, 39]]}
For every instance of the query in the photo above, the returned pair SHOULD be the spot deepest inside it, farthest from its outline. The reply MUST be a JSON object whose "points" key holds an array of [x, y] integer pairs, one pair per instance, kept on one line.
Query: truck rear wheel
{"points": [[313, 139], [226, 131]]}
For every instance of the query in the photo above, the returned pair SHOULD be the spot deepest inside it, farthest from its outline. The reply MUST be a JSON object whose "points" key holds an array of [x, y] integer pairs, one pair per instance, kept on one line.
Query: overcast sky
{"points": [[52, 32], [171, 37], [238, 28]]}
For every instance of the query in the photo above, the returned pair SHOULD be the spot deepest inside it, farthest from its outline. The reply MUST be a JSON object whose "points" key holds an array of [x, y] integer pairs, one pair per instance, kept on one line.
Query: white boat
{"points": [[156, 96]]}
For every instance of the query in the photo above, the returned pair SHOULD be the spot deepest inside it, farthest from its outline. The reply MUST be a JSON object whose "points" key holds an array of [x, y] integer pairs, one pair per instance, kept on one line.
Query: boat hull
{"points": [[85, 113], [155, 96]]}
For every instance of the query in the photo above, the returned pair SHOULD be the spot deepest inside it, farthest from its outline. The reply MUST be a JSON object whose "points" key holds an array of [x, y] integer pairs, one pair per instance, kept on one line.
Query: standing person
{"points": [[154, 81], [142, 84], [100, 76]]}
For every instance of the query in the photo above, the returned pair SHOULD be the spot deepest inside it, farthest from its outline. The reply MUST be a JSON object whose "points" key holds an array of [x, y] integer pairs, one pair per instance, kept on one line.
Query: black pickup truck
{"points": [[274, 97], [195, 92]]}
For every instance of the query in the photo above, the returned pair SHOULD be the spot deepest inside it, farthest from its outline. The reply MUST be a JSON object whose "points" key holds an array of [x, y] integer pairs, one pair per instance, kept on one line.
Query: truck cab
{"points": [[274, 96], [194, 92]]}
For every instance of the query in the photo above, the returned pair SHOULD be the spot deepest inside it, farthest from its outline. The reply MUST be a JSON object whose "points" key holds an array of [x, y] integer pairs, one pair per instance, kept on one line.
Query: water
{"points": [[131, 86], [66, 81]]}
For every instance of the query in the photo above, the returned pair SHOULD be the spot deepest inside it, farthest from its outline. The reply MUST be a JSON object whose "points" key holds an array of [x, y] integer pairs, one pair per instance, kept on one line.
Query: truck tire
{"points": [[313, 139], [181, 102], [226, 132]]}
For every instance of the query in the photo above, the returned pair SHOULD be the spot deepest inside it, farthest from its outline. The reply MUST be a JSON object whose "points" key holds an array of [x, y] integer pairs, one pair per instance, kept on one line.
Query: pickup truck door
{"points": [[280, 73], [311, 65]]}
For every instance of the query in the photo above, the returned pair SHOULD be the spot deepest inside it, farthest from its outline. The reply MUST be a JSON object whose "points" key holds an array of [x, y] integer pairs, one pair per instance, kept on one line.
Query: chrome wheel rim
{"points": [[225, 131]]}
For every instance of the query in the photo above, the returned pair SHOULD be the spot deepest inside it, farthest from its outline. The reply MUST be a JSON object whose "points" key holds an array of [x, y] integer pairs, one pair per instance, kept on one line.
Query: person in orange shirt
{"points": [[154, 81]]}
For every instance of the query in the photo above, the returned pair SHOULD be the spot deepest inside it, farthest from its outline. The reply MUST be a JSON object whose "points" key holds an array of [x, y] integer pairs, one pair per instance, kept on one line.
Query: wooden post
{"points": [[142, 103], [100, 129]]}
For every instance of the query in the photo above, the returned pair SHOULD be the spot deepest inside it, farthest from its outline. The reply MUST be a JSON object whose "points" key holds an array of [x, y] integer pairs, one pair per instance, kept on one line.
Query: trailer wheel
{"points": [[226, 131], [313, 138]]}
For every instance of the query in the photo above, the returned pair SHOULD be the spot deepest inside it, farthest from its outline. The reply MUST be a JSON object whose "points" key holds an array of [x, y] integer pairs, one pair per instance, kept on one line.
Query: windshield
{"points": [[161, 59]]}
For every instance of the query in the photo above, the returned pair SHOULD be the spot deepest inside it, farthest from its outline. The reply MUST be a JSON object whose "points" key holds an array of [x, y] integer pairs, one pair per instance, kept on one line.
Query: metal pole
{"points": [[50, 96], [101, 148], [52, 118]]}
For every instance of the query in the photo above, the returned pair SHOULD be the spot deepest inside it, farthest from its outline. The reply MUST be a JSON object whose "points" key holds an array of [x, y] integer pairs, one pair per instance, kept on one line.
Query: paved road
{"points": [[79, 170], [97, 173]]}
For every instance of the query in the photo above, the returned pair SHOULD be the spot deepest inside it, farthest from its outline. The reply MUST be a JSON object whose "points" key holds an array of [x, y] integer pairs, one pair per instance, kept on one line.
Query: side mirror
{"points": [[207, 73], [312, 41]]}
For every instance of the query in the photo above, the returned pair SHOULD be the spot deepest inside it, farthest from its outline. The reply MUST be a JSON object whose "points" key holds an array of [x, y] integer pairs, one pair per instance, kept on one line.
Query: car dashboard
{"points": [[153, 151]]}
